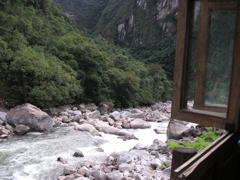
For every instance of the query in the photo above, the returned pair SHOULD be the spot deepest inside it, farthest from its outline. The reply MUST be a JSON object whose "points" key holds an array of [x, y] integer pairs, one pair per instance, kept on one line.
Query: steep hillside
{"points": [[86, 13], [128, 22], [44, 60], [146, 27], [137, 22]]}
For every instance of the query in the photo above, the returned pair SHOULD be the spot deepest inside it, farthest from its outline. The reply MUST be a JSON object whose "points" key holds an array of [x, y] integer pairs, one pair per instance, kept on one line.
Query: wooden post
{"points": [[180, 156]]}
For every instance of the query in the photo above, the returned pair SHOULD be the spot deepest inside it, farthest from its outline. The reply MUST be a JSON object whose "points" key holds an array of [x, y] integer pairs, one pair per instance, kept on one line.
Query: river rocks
{"points": [[115, 175], [160, 131], [69, 170], [91, 107], [112, 130], [192, 132], [82, 108], [78, 153], [83, 170], [77, 118], [125, 167], [64, 113], [166, 173], [82, 178], [99, 175], [21, 129], [4, 132], [134, 164], [158, 146], [3, 116], [94, 115], [31, 116], [65, 119], [74, 112], [139, 124], [156, 163], [62, 160], [115, 115], [104, 108], [101, 119], [125, 159], [85, 127], [140, 146]]}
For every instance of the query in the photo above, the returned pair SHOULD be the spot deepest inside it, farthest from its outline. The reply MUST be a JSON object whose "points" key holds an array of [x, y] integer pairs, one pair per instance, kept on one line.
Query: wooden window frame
{"points": [[198, 166], [230, 121]]}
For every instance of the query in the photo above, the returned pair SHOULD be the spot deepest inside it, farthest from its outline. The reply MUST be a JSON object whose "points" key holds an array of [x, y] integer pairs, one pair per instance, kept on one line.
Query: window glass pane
{"points": [[209, 57], [220, 54], [193, 53]]}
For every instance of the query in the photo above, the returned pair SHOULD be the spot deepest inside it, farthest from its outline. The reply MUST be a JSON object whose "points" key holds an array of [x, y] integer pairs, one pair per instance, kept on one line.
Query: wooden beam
{"points": [[181, 47], [234, 97], [201, 117], [204, 159], [180, 156], [202, 61]]}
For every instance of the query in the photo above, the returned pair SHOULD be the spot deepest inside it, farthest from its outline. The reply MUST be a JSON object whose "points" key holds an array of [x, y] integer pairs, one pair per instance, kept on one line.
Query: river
{"points": [[34, 156]]}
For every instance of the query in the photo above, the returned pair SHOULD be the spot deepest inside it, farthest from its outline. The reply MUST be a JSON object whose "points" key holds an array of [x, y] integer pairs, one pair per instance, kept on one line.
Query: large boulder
{"points": [[175, 130], [31, 116]]}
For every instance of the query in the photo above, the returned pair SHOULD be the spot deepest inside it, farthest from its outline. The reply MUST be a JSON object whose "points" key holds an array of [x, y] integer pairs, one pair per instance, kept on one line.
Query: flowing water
{"points": [[34, 156]]}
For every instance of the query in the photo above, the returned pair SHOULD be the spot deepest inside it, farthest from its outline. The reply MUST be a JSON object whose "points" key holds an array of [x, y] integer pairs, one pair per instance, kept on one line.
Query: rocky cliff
{"points": [[126, 22]]}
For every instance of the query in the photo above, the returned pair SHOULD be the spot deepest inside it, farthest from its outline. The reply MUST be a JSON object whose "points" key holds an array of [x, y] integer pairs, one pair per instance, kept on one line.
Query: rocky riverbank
{"points": [[152, 161], [140, 162]]}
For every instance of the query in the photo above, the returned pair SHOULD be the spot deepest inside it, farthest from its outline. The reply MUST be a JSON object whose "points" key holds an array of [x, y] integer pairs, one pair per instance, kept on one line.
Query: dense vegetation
{"points": [[44, 60], [134, 25]]}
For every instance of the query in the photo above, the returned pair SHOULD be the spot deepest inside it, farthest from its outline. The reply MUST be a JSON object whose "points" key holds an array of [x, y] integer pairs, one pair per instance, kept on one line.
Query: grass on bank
{"points": [[203, 141]]}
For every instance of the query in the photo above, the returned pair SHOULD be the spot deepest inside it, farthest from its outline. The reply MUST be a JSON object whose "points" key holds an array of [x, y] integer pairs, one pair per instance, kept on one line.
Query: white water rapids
{"points": [[34, 156]]}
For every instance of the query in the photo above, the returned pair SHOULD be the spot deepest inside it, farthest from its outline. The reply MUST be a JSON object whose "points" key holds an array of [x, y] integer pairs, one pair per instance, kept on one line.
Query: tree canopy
{"points": [[46, 61]]}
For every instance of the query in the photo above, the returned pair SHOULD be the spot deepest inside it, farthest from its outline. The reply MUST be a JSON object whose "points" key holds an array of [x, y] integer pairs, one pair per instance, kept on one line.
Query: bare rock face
{"points": [[31, 116]]}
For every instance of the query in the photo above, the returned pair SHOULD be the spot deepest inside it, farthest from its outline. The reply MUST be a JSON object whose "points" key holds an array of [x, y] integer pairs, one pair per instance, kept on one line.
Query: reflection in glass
{"points": [[220, 54], [193, 53], [209, 57]]}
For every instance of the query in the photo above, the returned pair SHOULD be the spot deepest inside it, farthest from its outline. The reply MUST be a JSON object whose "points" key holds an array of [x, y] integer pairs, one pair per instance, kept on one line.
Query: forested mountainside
{"points": [[146, 27], [45, 61]]}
